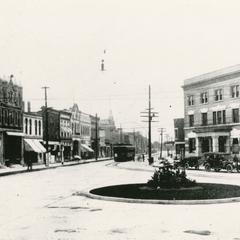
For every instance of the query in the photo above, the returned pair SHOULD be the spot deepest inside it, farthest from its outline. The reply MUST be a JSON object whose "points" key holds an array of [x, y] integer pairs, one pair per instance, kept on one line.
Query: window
{"points": [[204, 97], [191, 120], [235, 91], [35, 123], [219, 117], [214, 118], [192, 144], [190, 100], [26, 125], [176, 133], [218, 95], [235, 115], [30, 126], [39, 128], [204, 119]]}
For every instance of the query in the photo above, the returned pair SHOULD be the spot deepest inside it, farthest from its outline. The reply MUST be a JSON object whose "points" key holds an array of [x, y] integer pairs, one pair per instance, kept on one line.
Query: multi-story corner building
{"points": [[65, 134], [211, 111], [11, 126], [179, 139], [33, 137]]}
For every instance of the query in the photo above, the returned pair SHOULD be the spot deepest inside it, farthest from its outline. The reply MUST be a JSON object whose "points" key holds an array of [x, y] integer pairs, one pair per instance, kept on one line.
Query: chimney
{"points": [[28, 106]]}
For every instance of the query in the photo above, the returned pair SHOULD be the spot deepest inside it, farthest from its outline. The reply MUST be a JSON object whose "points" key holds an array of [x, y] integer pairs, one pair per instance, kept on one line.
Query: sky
{"points": [[60, 44]]}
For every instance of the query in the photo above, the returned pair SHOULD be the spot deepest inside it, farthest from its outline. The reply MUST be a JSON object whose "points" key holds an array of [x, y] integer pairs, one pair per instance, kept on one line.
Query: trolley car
{"points": [[123, 152]]}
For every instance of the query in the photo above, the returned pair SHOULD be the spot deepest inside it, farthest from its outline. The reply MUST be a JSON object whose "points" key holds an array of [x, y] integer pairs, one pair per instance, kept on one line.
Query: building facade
{"points": [[11, 123], [76, 130], [211, 111], [179, 137], [85, 127], [65, 135], [33, 137]]}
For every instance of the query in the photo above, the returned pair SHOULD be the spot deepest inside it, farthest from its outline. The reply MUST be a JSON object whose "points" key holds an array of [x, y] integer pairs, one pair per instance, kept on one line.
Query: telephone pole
{"points": [[150, 115], [96, 139], [161, 146], [46, 123]]}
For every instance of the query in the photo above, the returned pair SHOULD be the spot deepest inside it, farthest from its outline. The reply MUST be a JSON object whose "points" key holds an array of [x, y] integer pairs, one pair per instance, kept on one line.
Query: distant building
{"points": [[76, 130], [211, 111], [179, 139], [11, 122], [95, 143], [53, 128], [110, 133], [85, 125], [65, 135], [33, 137]]}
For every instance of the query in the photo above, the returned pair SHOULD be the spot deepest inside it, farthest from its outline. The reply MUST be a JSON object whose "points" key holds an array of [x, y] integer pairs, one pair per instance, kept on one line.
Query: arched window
{"points": [[39, 128], [36, 128], [30, 126], [26, 125]]}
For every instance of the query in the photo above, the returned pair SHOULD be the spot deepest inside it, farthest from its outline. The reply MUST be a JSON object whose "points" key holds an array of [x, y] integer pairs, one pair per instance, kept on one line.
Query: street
{"points": [[41, 205]]}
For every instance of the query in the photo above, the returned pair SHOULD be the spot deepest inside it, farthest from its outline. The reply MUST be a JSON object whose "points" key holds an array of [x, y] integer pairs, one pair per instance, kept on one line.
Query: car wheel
{"points": [[207, 167], [229, 168]]}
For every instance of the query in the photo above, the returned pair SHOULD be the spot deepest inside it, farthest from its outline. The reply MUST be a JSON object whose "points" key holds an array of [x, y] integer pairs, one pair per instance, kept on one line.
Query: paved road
{"points": [[41, 205]]}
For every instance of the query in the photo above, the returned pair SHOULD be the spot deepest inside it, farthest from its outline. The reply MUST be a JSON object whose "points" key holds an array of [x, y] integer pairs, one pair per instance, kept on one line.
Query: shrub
{"points": [[167, 177]]}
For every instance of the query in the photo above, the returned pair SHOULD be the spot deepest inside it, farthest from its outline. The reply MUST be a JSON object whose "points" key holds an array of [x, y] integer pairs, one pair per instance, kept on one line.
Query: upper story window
{"points": [[235, 115], [204, 119], [39, 128], [204, 97], [30, 126], [219, 117], [26, 125], [190, 100], [218, 95], [35, 125], [191, 120], [235, 91]]}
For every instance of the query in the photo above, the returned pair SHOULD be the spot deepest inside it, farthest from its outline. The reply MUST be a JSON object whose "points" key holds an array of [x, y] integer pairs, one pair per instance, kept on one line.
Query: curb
{"points": [[3, 174], [152, 201]]}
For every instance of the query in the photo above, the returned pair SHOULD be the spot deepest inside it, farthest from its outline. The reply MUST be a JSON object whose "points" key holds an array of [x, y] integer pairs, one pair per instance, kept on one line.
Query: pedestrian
{"points": [[29, 164], [143, 157]]}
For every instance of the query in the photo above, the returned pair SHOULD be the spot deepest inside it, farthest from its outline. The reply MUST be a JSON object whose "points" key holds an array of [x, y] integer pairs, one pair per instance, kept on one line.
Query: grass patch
{"points": [[142, 191]]}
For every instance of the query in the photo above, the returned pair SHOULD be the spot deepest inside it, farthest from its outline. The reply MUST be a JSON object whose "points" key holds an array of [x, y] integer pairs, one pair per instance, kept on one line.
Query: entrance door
{"points": [[206, 144], [222, 143]]}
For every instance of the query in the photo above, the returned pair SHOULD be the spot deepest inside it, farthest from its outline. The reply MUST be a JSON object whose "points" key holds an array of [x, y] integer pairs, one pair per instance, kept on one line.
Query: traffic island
{"points": [[168, 186], [202, 193]]}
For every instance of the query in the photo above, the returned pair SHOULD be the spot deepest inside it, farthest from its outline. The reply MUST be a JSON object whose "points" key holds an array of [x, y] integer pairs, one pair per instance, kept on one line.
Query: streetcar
{"points": [[123, 152]]}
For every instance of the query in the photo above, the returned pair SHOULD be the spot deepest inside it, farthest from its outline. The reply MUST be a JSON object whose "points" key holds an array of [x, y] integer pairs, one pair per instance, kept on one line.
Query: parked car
{"points": [[219, 161], [188, 162]]}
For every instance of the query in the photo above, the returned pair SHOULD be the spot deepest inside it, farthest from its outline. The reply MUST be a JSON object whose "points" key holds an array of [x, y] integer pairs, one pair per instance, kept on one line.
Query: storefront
{"points": [[33, 150], [86, 151]]}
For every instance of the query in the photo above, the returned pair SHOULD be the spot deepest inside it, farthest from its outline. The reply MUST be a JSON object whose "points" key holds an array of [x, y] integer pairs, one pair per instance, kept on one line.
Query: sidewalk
{"points": [[16, 169]]}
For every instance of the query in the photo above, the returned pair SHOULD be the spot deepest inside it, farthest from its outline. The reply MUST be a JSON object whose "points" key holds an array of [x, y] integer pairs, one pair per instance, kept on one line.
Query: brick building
{"points": [[11, 124], [211, 111]]}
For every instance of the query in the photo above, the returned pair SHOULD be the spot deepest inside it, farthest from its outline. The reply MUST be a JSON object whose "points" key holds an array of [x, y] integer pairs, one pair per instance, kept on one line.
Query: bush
{"points": [[167, 177]]}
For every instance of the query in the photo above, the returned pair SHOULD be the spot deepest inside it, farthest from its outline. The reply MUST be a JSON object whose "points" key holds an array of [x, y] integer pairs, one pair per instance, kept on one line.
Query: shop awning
{"points": [[30, 146], [86, 148], [39, 145], [19, 134]]}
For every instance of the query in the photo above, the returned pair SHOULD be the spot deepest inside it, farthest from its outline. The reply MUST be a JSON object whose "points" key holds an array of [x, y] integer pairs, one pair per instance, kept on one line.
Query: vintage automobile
{"points": [[188, 162], [219, 161]]}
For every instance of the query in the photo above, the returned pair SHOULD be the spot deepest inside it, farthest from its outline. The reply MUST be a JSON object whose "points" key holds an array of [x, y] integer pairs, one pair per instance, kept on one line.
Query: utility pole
{"points": [[96, 139], [161, 144], [46, 124], [150, 115]]}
